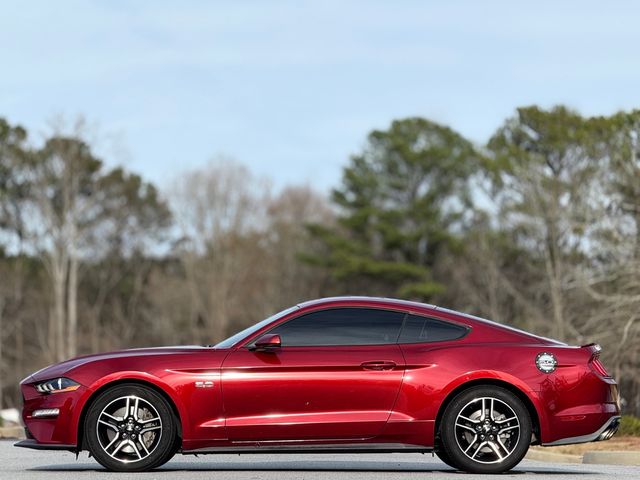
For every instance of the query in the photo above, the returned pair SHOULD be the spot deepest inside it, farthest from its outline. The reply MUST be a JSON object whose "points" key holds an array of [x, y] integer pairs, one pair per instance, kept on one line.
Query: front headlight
{"points": [[57, 385]]}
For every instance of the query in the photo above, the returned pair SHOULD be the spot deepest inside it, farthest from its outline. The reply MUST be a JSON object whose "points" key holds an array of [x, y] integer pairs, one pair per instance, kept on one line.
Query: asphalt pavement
{"points": [[19, 463]]}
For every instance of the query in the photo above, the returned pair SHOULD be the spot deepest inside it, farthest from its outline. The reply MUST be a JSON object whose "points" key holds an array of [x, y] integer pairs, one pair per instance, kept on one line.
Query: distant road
{"points": [[19, 464]]}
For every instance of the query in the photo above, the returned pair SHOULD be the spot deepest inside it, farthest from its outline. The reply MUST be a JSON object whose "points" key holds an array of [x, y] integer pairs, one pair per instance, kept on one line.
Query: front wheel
{"points": [[486, 430], [442, 455], [130, 428]]}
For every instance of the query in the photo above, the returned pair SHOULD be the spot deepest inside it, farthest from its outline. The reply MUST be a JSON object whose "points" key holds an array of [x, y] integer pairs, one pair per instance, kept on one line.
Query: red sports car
{"points": [[336, 375]]}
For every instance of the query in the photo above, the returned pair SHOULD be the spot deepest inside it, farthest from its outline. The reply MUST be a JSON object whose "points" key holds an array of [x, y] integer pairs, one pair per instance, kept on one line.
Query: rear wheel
{"points": [[131, 428], [485, 430]]}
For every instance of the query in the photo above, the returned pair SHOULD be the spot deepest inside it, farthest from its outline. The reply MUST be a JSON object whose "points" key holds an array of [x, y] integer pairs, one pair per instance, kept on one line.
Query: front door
{"points": [[336, 376]]}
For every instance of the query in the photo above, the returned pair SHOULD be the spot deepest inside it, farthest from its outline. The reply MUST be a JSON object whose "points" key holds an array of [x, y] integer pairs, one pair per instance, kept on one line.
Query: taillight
{"points": [[598, 367]]}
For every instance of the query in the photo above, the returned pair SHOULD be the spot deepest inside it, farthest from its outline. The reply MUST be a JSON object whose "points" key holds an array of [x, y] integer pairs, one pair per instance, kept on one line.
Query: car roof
{"points": [[394, 302], [365, 299]]}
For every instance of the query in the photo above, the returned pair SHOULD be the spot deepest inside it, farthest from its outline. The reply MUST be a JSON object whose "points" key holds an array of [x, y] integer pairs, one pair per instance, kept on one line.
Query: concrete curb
{"points": [[590, 457], [12, 432], [612, 458], [541, 456]]}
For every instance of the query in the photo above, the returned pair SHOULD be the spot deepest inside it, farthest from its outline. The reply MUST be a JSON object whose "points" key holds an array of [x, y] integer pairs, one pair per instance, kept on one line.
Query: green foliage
{"points": [[618, 139], [545, 165], [558, 146], [64, 181], [629, 425], [59, 202], [401, 202], [12, 149]]}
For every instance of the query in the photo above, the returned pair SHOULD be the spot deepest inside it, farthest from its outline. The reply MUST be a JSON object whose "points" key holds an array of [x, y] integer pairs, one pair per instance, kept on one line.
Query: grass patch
{"points": [[629, 426]]}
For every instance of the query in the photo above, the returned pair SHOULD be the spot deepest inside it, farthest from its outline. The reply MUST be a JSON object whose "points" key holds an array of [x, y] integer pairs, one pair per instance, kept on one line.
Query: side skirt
{"points": [[326, 448]]}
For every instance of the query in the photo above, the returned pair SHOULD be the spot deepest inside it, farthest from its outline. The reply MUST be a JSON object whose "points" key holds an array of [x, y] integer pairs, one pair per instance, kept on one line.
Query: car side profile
{"points": [[346, 374]]}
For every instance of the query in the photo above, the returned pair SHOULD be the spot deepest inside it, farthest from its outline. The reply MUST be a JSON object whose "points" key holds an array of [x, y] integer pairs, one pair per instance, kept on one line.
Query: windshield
{"points": [[229, 342]]}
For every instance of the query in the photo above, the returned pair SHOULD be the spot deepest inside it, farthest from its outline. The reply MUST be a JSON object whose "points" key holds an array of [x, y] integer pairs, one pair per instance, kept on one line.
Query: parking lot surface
{"points": [[18, 464]]}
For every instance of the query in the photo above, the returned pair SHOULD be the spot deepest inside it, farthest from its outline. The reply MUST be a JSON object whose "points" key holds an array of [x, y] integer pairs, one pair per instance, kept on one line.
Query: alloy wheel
{"points": [[487, 430], [129, 429]]}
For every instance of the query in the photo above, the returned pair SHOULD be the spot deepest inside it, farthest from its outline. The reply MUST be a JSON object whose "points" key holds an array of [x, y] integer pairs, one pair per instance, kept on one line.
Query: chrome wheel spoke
{"points": [[135, 409], [149, 420], [118, 448], [111, 417], [466, 419], [507, 420], [115, 439], [477, 450], [506, 429], [109, 425], [471, 444], [466, 427], [496, 450], [135, 449], [144, 447], [503, 446]]}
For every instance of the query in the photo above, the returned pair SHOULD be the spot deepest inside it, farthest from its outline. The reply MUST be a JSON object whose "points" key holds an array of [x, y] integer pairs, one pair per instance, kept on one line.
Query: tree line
{"points": [[538, 228]]}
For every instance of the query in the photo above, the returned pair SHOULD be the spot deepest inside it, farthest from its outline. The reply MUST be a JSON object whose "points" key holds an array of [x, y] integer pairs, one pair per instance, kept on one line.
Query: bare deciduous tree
{"points": [[220, 211]]}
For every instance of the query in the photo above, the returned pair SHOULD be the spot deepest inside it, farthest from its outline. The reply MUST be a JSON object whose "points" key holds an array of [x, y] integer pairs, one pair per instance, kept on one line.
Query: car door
{"points": [[336, 376]]}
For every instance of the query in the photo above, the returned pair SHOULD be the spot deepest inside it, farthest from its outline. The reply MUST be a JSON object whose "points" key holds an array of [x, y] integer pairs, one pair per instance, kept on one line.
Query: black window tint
{"points": [[419, 329], [341, 326]]}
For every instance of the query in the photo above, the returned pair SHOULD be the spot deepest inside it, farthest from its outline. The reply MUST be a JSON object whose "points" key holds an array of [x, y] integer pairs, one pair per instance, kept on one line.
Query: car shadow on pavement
{"points": [[314, 466]]}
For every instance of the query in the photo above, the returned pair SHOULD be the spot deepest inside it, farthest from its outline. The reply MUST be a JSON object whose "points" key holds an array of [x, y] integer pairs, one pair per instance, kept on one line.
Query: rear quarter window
{"points": [[419, 329]]}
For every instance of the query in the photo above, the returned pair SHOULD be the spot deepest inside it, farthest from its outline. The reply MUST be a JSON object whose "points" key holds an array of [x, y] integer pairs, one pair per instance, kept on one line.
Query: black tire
{"points": [[493, 442], [131, 428], [442, 455]]}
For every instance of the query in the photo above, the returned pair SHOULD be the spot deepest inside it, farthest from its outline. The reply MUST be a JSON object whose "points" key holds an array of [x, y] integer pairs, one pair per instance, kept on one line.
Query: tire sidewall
{"points": [[447, 430], [163, 451], [442, 455]]}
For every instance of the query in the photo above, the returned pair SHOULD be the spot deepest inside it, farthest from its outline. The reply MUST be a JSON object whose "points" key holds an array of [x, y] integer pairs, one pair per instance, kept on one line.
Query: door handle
{"points": [[378, 365]]}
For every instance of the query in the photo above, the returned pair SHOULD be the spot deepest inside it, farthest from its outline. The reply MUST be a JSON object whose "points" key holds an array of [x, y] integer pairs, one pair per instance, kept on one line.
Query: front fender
{"points": [[144, 378]]}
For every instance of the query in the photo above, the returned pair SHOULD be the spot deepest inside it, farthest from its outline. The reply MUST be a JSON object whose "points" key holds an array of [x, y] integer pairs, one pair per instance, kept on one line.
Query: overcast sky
{"points": [[292, 88]]}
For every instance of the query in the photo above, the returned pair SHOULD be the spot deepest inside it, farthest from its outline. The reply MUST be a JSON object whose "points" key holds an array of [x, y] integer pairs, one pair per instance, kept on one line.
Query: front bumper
{"points": [[51, 432]]}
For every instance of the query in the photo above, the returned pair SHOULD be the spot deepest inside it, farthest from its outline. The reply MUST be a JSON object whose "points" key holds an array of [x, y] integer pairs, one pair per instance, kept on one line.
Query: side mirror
{"points": [[268, 343]]}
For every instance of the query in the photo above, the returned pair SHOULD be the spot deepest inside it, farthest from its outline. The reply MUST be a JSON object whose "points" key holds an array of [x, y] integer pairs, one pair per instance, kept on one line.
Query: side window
{"points": [[419, 329], [342, 326]]}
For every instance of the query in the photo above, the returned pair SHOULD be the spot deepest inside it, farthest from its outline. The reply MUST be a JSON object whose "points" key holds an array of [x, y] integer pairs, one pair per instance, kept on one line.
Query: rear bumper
{"points": [[576, 404], [605, 432]]}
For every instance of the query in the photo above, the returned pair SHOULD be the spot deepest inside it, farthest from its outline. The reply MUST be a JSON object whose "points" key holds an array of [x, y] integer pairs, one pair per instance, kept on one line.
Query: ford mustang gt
{"points": [[349, 374]]}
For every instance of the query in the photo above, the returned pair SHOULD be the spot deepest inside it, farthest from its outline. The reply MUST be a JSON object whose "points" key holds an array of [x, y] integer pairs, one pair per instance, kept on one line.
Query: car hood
{"points": [[60, 369]]}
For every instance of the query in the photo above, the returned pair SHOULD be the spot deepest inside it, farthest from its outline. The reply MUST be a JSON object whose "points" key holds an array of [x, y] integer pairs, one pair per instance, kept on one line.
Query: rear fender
{"points": [[493, 377]]}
